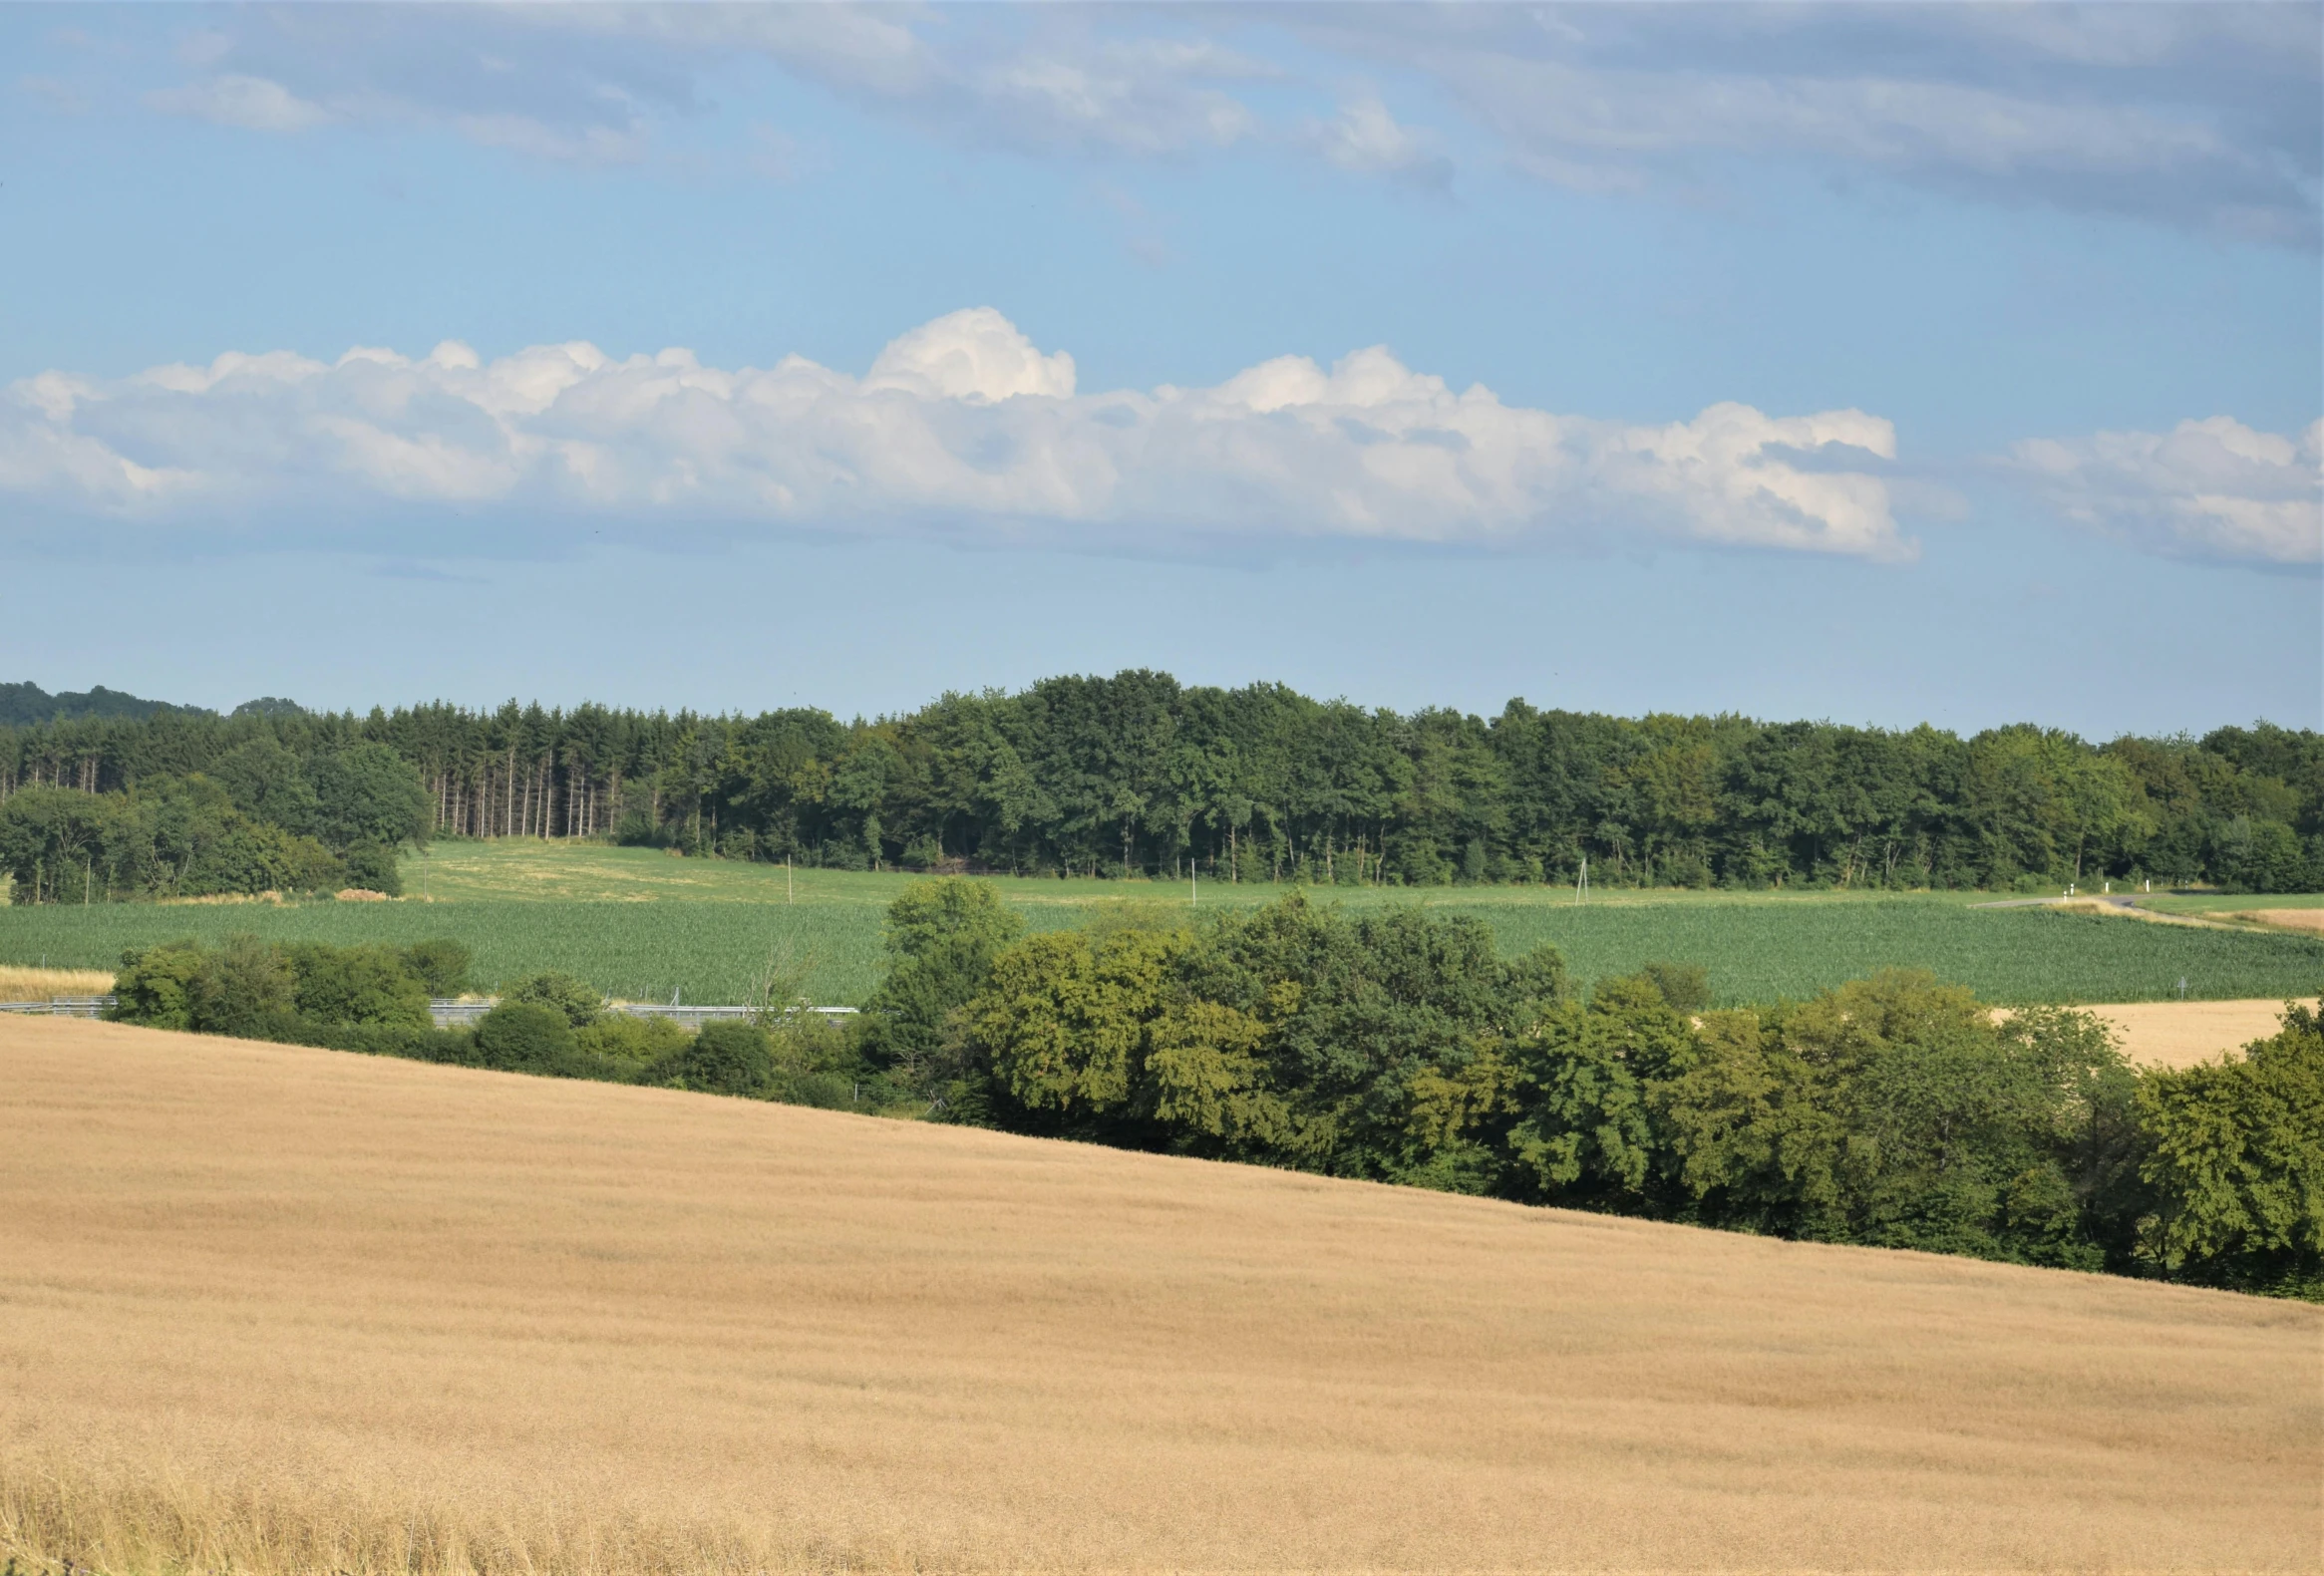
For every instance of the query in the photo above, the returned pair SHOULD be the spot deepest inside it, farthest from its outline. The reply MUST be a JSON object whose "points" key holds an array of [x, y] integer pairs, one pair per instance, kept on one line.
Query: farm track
{"points": [[295, 1310]]}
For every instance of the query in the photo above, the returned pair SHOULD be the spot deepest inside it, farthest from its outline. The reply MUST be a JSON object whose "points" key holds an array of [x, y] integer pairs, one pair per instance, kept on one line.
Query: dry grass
{"points": [[19, 984], [284, 1310], [2108, 909], [2287, 919]]}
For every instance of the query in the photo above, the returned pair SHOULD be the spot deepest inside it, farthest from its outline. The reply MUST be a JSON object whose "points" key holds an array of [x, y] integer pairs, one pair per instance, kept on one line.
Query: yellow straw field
{"points": [[19, 984], [275, 1309]]}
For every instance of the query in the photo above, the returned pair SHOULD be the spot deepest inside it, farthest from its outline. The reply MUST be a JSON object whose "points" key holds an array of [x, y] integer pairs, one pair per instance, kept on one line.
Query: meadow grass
{"points": [[641, 924], [278, 1310]]}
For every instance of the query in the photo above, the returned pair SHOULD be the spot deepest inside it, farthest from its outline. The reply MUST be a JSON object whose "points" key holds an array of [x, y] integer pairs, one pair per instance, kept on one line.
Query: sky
{"points": [[1879, 363]]}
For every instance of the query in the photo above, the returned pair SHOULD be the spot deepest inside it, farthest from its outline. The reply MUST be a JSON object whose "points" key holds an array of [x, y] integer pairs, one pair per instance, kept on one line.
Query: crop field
{"points": [[643, 925], [282, 1310]]}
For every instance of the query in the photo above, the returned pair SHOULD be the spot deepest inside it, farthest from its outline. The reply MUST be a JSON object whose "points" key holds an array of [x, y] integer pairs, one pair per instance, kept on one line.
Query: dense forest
{"points": [[1139, 775]]}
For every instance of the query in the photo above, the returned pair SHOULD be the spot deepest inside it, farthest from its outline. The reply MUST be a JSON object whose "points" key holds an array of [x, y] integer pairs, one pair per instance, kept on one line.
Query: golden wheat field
{"points": [[2180, 1034], [274, 1309]]}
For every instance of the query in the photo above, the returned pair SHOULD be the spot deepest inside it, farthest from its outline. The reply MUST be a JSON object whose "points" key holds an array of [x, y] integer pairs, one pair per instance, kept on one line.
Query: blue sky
{"points": [[1878, 363]]}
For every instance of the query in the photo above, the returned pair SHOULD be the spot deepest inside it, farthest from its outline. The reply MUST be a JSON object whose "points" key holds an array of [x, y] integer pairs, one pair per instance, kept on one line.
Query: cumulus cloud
{"points": [[2213, 489], [961, 426]]}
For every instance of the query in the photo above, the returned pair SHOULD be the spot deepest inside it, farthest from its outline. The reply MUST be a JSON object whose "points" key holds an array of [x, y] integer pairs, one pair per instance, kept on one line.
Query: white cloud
{"points": [[593, 83], [961, 426], [976, 355], [252, 102], [1366, 139], [2212, 489], [2203, 116]]}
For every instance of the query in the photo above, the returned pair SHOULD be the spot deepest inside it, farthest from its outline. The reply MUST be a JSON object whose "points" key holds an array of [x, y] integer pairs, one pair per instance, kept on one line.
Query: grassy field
{"points": [[642, 924], [280, 1310]]}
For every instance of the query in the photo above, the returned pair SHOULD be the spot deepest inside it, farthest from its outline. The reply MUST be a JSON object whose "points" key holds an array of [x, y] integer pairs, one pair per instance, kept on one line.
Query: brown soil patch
{"points": [[279, 1308]]}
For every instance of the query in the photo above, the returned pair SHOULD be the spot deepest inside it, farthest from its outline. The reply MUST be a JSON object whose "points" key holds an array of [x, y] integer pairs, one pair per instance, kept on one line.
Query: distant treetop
{"points": [[271, 706], [22, 705]]}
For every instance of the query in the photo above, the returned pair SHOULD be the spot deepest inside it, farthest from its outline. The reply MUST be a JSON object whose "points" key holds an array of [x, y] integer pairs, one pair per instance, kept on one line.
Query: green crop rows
{"points": [[713, 950], [1756, 952]]}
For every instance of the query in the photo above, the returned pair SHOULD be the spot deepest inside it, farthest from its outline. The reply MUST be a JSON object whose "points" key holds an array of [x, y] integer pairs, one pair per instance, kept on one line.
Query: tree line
{"points": [[1394, 1045], [257, 817], [1138, 775]]}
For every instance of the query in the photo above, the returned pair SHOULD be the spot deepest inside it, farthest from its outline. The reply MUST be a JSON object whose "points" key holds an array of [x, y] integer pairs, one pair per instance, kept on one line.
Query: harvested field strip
{"points": [[2287, 919], [2180, 1034], [292, 1310], [2227, 902]]}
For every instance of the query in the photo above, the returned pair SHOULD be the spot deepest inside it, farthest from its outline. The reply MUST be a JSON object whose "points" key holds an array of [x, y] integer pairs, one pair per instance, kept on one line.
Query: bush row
{"points": [[1394, 1045], [375, 999]]}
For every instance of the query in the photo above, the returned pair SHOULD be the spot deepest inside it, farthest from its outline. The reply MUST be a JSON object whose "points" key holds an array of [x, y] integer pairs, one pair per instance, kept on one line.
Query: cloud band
{"points": [[961, 426]]}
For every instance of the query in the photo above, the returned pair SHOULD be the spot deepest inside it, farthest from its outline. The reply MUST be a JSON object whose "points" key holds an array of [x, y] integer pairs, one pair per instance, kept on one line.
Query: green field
{"points": [[643, 925]]}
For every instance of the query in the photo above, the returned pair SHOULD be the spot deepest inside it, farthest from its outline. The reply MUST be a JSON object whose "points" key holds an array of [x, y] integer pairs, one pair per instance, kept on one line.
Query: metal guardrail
{"points": [[63, 1007], [449, 1014]]}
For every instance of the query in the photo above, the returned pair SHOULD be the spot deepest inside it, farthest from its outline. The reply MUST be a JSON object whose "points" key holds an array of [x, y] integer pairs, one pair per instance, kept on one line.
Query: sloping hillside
{"points": [[289, 1309]]}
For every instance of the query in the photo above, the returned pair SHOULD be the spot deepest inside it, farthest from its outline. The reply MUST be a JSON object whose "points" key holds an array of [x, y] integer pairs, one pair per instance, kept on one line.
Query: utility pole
{"points": [[787, 878]]}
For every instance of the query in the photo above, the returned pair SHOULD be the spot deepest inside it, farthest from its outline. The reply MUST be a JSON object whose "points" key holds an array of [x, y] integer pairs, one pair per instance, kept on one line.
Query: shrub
{"points": [[244, 987], [359, 985], [1686, 987], [826, 1090], [442, 965], [575, 1001], [727, 1058], [524, 1037], [161, 986], [247, 988], [371, 866], [625, 1038]]}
